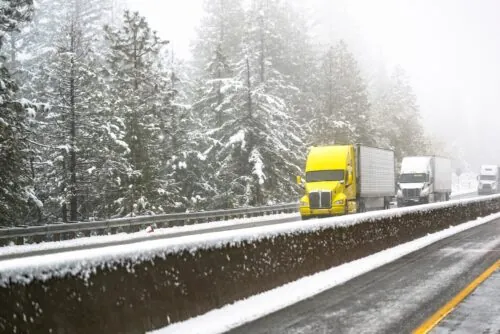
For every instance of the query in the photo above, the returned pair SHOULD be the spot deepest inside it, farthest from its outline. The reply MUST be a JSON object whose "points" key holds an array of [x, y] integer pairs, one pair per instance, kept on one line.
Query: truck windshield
{"points": [[325, 175], [413, 178], [488, 177]]}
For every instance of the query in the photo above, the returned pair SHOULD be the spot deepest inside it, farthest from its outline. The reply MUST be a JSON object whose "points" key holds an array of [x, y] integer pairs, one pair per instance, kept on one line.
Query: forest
{"points": [[99, 120]]}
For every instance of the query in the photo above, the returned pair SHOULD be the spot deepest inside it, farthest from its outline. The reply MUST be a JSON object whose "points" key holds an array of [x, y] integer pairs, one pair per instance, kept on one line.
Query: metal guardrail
{"points": [[56, 232]]}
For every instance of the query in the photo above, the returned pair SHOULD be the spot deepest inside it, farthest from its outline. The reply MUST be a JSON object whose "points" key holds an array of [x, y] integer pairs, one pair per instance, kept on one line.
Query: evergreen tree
{"points": [[259, 153], [343, 115], [156, 127], [59, 48], [15, 178]]}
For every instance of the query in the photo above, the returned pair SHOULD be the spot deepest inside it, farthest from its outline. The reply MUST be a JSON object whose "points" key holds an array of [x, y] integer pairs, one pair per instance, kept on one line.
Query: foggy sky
{"points": [[450, 49]]}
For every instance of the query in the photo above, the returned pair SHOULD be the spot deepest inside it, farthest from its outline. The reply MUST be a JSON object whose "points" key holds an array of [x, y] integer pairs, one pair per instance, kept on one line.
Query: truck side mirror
{"points": [[299, 180]]}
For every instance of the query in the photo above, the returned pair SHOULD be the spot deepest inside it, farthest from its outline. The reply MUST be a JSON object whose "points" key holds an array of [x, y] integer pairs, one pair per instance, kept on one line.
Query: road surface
{"points": [[477, 313], [395, 298]]}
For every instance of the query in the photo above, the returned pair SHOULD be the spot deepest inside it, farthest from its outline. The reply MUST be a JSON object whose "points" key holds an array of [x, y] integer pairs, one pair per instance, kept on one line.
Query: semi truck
{"points": [[424, 179], [488, 180], [343, 179]]}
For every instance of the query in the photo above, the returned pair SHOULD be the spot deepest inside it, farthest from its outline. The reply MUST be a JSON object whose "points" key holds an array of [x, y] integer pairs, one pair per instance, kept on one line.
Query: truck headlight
{"points": [[304, 204], [494, 186], [339, 202]]}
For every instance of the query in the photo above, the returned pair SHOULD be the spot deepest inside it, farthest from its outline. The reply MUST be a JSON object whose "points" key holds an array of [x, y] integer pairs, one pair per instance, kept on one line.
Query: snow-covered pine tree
{"points": [[343, 114], [179, 165], [75, 116], [260, 143], [15, 178], [214, 108], [38, 46], [156, 127], [218, 47]]}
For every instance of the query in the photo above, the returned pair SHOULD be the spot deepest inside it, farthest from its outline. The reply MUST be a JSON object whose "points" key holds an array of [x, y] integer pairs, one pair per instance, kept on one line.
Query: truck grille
{"points": [[411, 193], [486, 186], [320, 200]]}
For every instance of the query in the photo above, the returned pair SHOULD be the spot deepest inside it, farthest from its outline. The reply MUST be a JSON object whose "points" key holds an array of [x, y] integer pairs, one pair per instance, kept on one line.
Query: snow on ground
{"points": [[238, 313], [84, 262], [467, 182], [102, 239], [458, 194]]}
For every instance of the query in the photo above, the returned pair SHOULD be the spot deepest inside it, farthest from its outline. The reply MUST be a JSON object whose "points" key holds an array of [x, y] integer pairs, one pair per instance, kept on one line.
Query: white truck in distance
{"points": [[424, 179], [488, 180]]}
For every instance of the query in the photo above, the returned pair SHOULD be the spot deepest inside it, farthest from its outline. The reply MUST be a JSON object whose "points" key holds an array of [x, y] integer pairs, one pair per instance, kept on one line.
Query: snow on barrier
{"points": [[148, 285]]}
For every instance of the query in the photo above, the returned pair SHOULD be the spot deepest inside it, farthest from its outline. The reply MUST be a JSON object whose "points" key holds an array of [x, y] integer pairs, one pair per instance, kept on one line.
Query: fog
{"points": [[450, 49]]}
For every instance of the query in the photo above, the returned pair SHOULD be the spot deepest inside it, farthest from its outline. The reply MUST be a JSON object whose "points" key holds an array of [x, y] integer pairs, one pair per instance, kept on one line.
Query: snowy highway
{"points": [[397, 297], [13, 252]]}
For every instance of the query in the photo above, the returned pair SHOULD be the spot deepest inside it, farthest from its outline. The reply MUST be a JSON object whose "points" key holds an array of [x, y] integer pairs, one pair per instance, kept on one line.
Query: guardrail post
{"points": [[38, 238], [19, 241]]}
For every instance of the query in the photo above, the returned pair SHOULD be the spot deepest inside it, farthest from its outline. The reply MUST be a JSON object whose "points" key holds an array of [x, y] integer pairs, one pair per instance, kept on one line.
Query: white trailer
{"points": [[424, 179], [376, 177]]}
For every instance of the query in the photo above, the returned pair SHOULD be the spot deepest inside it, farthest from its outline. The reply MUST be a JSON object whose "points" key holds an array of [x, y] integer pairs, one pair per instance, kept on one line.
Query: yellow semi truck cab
{"points": [[342, 179]]}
